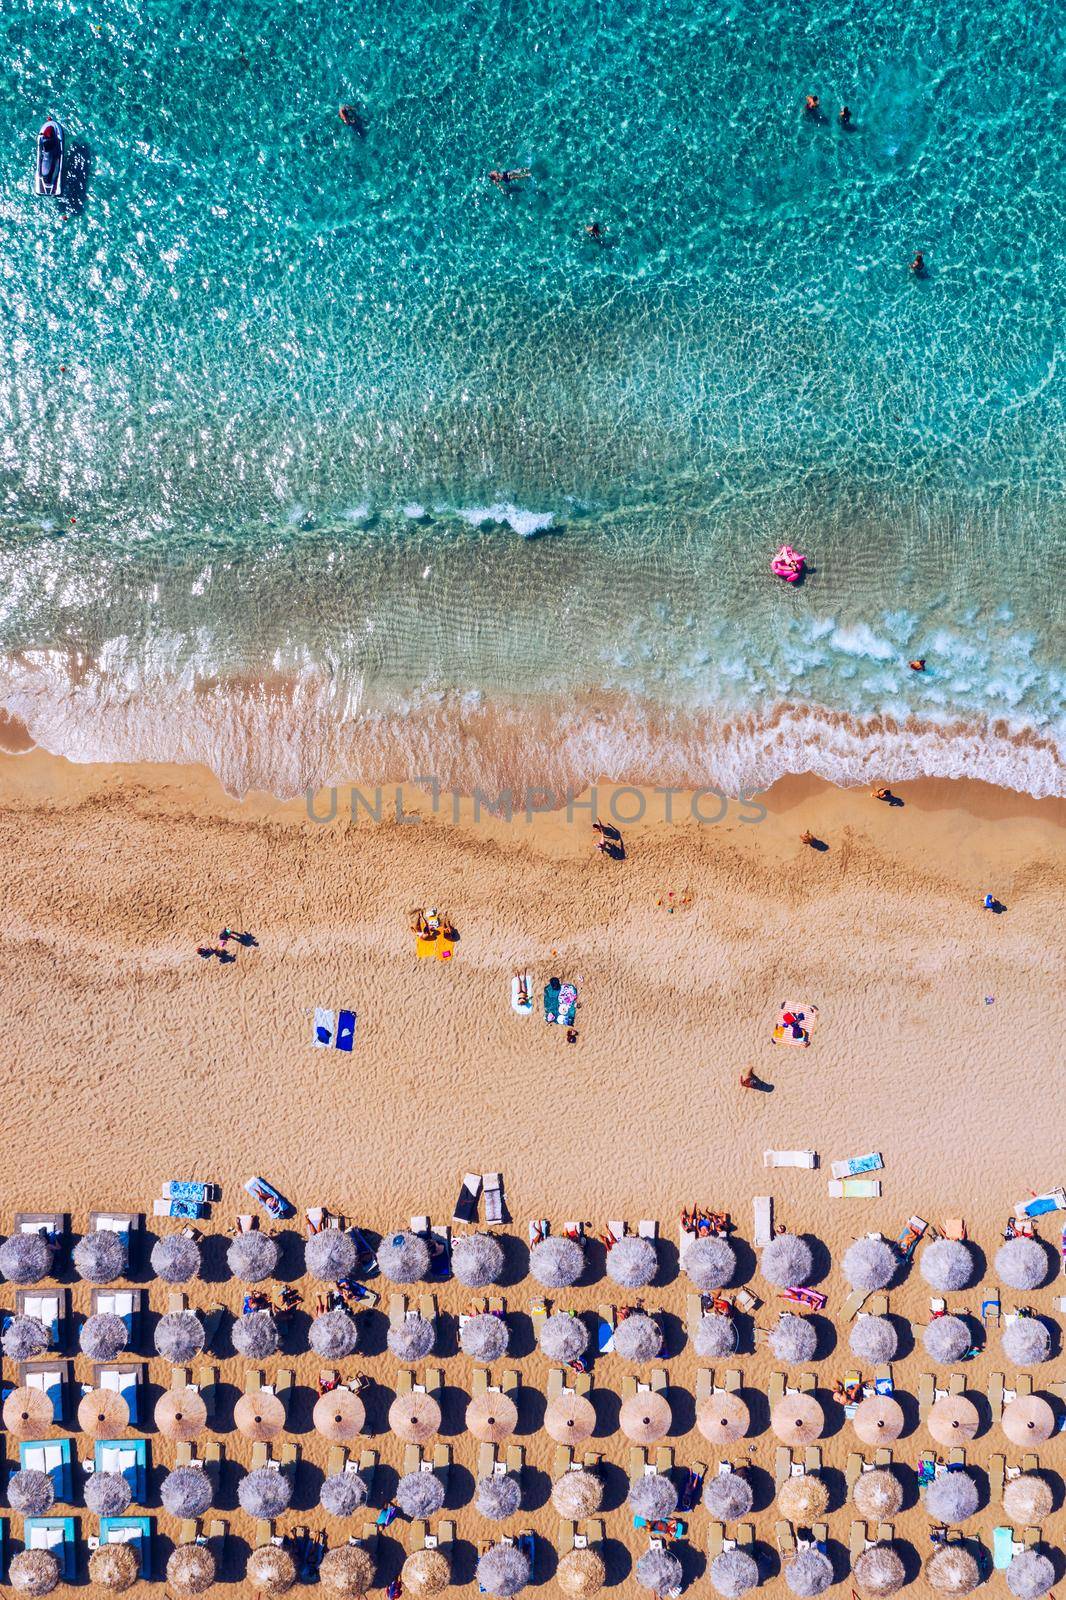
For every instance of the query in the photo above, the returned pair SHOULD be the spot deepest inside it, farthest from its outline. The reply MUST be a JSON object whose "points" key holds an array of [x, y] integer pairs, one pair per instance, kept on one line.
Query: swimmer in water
{"points": [[502, 179], [811, 105], [844, 117], [352, 118], [918, 265], [594, 231], [918, 664]]}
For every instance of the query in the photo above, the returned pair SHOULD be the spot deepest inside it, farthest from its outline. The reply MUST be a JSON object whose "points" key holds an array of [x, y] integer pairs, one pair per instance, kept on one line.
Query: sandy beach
{"points": [[127, 1060]]}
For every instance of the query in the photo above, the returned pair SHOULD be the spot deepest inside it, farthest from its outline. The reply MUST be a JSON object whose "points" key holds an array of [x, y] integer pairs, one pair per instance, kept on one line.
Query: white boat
{"points": [[49, 177]]}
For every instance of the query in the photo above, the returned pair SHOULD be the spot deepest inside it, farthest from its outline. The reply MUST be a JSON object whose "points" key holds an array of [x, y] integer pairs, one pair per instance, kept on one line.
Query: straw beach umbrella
{"points": [[632, 1262], [24, 1338], [878, 1494], [264, 1493], [403, 1258], [181, 1415], [563, 1337], [253, 1257], [952, 1569], [798, 1419], [803, 1499], [951, 1498], [873, 1339], [577, 1494], [339, 1416], [715, 1336], [492, 1418], [645, 1418], [330, 1255], [334, 1335], [710, 1262], [412, 1340], [255, 1335], [34, 1572], [100, 1257], [477, 1260], [659, 1571], [870, 1264], [346, 1570], [953, 1419], [27, 1413], [102, 1413], [259, 1416], [425, 1572], [723, 1418], [879, 1572], [26, 1258], [103, 1336], [419, 1495], [271, 1570], [503, 1570], [186, 1492], [878, 1419], [414, 1417], [570, 1418], [728, 1495], [1028, 1420], [1027, 1500], [1026, 1341], [581, 1573], [653, 1497], [175, 1258], [809, 1572], [32, 1493], [107, 1493], [947, 1265], [787, 1261], [1023, 1263], [484, 1338], [191, 1568], [343, 1493], [733, 1573], [179, 1337], [1030, 1575], [794, 1339], [946, 1340], [114, 1566], [557, 1262], [499, 1497], [638, 1338]]}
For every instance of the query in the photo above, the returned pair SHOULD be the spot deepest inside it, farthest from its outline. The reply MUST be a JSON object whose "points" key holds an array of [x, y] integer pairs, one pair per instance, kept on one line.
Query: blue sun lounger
{"points": [[136, 1531], [53, 1457], [55, 1534], [129, 1457]]}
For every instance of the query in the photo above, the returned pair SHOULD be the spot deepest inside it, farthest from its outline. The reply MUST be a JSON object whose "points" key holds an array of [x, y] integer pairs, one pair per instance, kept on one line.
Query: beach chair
{"points": [[990, 1309], [693, 1312], [51, 1456], [605, 1329], [412, 1459], [853, 1305], [562, 1460], [129, 1459], [52, 1375], [647, 1228], [806, 1159], [57, 1534], [130, 1530], [883, 1457], [492, 1183], [745, 1535], [995, 1396], [957, 1456], [564, 1539], [856, 1541], [877, 1305], [367, 1468], [784, 1536], [856, 1165], [957, 1383], [53, 1224], [538, 1314], [812, 1458], [638, 1463], [659, 1380], [125, 1378], [853, 1470], [733, 1381], [854, 1188], [764, 1219], [664, 1459], [782, 1465], [49, 1306], [465, 1213], [704, 1384], [926, 1394], [205, 1382], [776, 1388], [715, 1539], [1002, 1548], [515, 1460], [442, 1463], [1031, 1462]]}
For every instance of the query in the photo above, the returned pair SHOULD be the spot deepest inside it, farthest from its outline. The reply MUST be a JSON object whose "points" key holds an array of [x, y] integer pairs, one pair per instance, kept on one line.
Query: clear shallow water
{"points": [[317, 387]]}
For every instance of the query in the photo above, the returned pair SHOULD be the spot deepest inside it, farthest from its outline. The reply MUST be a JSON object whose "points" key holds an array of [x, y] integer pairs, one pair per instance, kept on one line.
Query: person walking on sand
{"points": [[748, 1079]]}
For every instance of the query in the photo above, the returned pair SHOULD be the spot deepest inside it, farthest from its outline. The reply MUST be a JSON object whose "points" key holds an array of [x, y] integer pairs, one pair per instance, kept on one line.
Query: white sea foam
{"points": [[504, 514]]}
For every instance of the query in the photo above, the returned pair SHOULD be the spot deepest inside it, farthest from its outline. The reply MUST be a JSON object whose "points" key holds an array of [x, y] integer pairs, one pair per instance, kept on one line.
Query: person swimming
{"points": [[918, 265], [918, 664], [811, 105], [594, 231], [844, 117], [515, 175]]}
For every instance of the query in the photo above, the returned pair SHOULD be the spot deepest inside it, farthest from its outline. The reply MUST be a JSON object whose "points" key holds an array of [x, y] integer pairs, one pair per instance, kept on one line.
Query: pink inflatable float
{"points": [[787, 564]]}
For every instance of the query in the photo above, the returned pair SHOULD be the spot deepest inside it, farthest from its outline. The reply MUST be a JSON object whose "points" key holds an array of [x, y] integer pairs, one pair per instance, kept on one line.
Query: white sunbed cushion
{"points": [[45, 1538]]}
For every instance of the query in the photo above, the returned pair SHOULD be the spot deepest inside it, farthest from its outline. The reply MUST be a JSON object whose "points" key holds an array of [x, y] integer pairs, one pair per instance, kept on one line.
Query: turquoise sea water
{"points": [[321, 455]]}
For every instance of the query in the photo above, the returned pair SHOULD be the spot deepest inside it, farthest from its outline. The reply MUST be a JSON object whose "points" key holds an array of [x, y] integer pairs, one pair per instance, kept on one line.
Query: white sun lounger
{"points": [[790, 1158], [764, 1219], [854, 1188], [492, 1186]]}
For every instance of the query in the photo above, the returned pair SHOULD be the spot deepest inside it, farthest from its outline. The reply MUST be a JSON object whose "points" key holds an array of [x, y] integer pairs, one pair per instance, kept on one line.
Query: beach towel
{"points": [[517, 982], [325, 1022], [567, 1012], [551, 1003], [334, 1028]]}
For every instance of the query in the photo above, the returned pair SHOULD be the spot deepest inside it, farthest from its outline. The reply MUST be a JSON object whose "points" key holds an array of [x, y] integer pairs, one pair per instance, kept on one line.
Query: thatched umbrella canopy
{"points": [[414, 1417], [794, 1339], [27, 1413], [570, 1418], [787, 1261], [710, 1262], [26, 1258], [484, 1338], [808, 1573], [557, 1262], [878, 1495], [499, 1496], [803, 1499], [24, 1338], [31, 1492], [1023, 1263], [953, 1419], [952, 1497], [798, 1419], [632, 1262], [1026, 1341], [103, 1336], [563, 1337], [107, 1493], [346, 1570], [412, 1340], [581, 1573], [870, 1264], [659, 1571], [419, 1494], [339, 1415], [577, 1494], [1028, 1420], [728, 1495], [186, 1492], [879, 1419], [343, 1493], [477, 1260], [179, 1337], [645, 1418], [175, 1258], [873, 1339], [180, 1414], [879, 1572], [1030, 1575], [733, 1573], [330, 1255], [723, 1418], [259, 1416], [334, 1335], [638, 1338], [102, 1413], [114, 1566], [253, 1257], [403, 1257], [425, 1572], [33, 1572], [492, 1418], [270, 1570], [653, 1497], [946, 1340], [947, 1265], [191, 1569], [715, 1336], [1027, 1499], [264, 1493], [503, 1570], [255, 1335], [100, 1257], [952, 1569]]}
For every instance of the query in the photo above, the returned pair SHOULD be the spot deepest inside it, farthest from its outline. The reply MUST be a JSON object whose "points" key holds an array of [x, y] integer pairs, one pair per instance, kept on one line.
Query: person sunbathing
{"points": [[447, 928]]}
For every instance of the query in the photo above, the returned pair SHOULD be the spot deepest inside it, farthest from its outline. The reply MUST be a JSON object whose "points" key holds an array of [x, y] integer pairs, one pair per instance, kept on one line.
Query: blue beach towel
{"points": [[336, 1028]]}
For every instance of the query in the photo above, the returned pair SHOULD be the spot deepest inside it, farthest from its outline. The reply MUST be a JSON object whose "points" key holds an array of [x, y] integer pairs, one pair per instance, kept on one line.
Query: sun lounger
{"points": [[53, 1224], [856, 1540], [957, 1456], [52, 1375], [854, 1188], [806, 1159], [1002, 1548], [776, 1388], [957, 1383], [883, 1457], [58, 1535], [129, 1459], [782, 1465], [853, 1469], [857, 1165], [492, 1183], [515, 1460], [53, 1457], [995, 1396], [124, 1303], [605, 1329], [764, 1219], [1040, 1204], [659, 1381], [465, 1213], [784, 1536], [192, 1210], [647, 1229], [926, 1394], [715, 1539], [990, 1309], [50, 1306], [522, 984], [853, 1304], [909, 1235]]}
